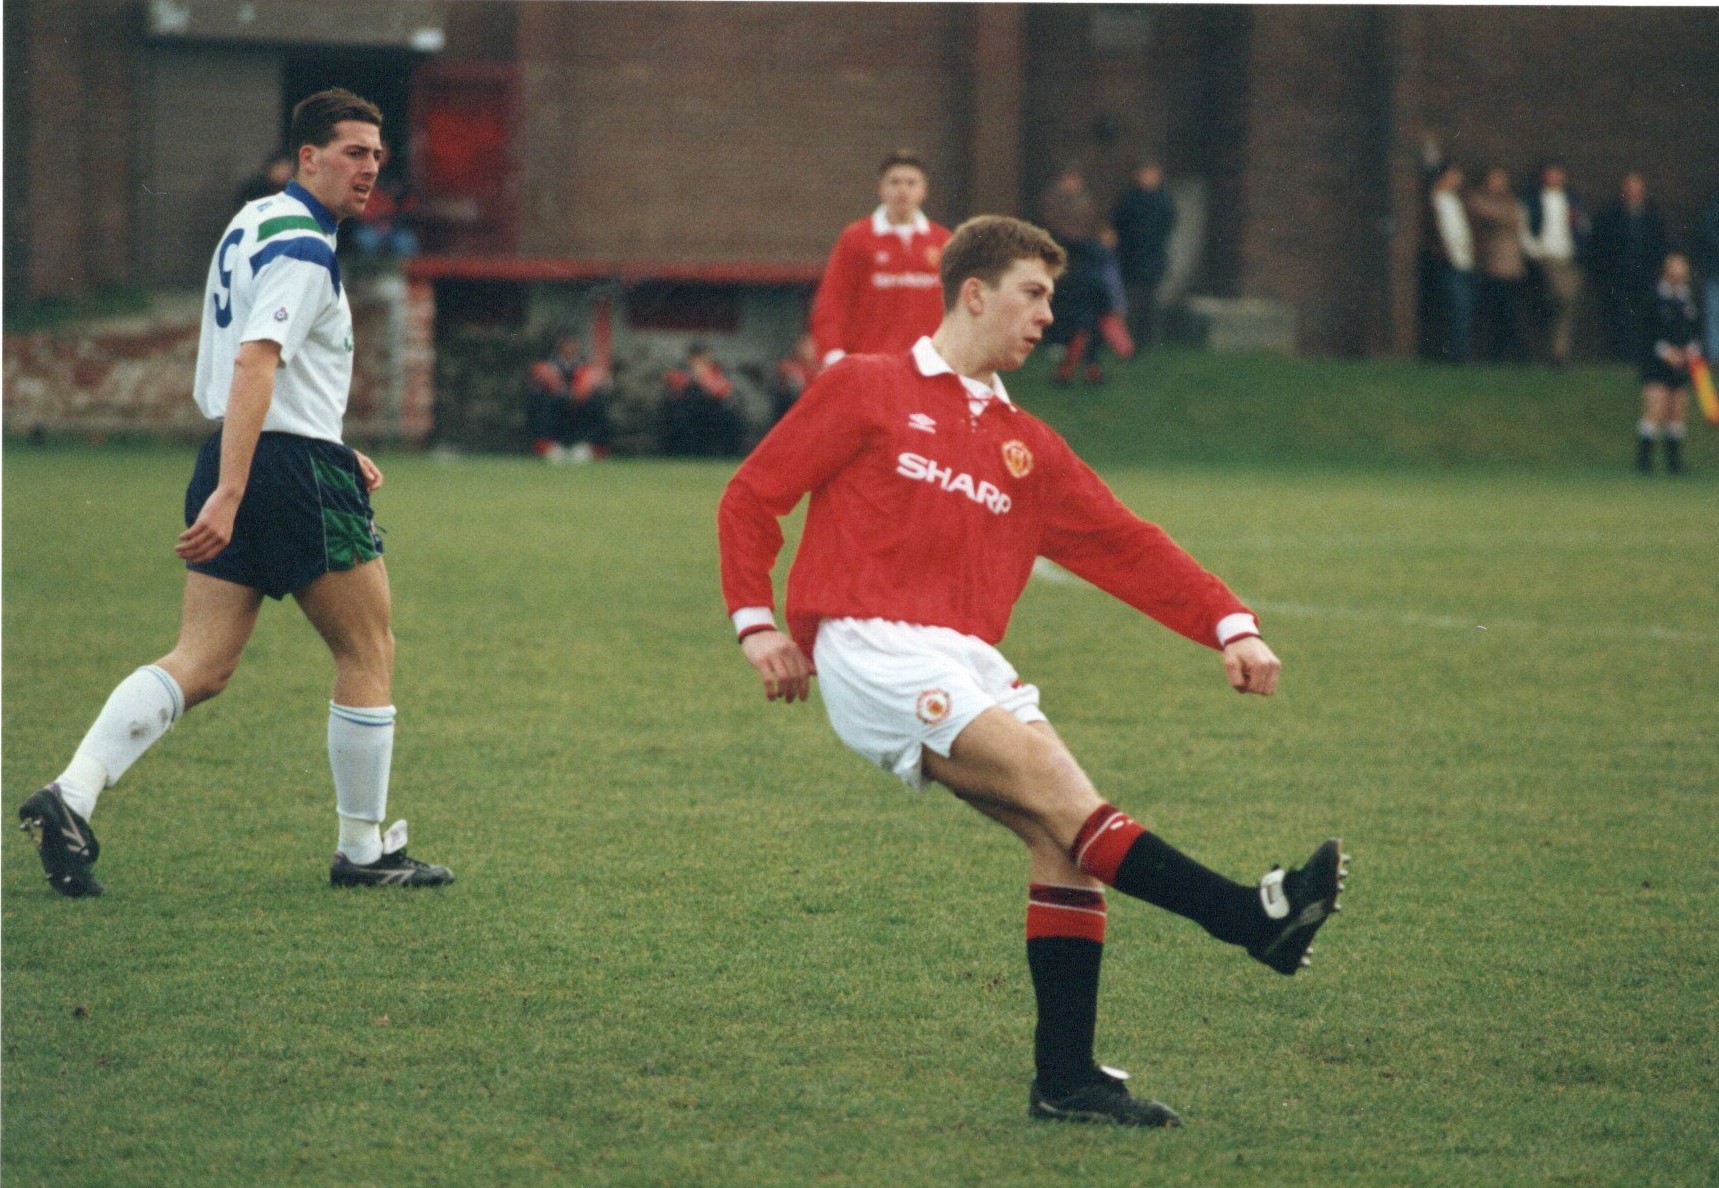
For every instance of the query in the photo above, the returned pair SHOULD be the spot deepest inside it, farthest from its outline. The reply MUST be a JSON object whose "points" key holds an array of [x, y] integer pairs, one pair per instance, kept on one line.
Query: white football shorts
{"points": [[893, 689]]}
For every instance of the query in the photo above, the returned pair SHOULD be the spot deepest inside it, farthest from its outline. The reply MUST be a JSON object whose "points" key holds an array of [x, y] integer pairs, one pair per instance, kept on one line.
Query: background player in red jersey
{"points": [[881, 289], [931, 496]]}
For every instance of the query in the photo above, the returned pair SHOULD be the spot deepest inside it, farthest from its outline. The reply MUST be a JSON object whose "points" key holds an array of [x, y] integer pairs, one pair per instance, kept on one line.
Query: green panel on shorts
{"points": [[337, 477], [348, 538]]}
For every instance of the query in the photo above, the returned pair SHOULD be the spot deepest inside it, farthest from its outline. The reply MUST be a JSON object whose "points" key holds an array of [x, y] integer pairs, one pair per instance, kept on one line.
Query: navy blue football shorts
{"points": [[305, 513]]}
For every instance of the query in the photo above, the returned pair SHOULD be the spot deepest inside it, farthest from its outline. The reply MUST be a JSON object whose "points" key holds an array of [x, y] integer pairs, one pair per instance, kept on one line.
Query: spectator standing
{"points": [[1501, 271], [1086, 303], [1707, 241], [1674, 328], [1449, 253], [879, 290], [1629, 248], [1143, 219], [567, 416], [699, 417], [1557, 243]]}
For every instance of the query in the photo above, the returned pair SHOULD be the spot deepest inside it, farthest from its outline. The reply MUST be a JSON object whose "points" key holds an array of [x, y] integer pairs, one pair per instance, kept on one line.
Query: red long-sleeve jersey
{"points": [[922, 512], [879, 292]]}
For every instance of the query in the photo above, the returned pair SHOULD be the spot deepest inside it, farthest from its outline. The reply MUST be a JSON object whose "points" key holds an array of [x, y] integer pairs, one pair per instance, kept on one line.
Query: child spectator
{"points": [[1675, 331]]}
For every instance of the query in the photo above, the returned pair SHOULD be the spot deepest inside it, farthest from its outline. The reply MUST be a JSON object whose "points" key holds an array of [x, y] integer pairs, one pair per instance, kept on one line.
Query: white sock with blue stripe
{"points": [[140, 710], [360, 753]]}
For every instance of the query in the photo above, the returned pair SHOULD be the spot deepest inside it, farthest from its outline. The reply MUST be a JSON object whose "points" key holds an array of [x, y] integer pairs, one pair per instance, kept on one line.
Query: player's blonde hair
{"points": [[986, 245]]}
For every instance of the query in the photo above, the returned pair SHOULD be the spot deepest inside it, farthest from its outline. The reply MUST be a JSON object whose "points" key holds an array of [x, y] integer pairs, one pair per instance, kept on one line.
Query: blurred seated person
{"points": [[698, 417], [382, 229], [793, 372], [567, 412], [271, 179]]}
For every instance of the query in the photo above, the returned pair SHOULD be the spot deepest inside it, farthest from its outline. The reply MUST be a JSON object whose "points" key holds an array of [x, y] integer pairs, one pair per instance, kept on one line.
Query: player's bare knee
{"points": [[370, 652], [199, 682]]}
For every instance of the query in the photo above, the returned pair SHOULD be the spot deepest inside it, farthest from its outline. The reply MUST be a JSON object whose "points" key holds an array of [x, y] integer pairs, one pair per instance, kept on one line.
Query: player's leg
{"points": [[1566, 293], [1676, 409], [1026, 769], [1064, 937], [215, 622], [352, 610], [1655, 402]]}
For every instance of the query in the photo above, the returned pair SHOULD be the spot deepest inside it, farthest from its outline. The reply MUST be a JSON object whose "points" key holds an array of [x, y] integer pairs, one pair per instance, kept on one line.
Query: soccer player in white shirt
{"points": [[277, 505]]}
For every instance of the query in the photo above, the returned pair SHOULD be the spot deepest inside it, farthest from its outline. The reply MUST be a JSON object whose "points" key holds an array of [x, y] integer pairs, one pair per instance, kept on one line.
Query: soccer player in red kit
{"points": [[881, 289], [931, 497]]}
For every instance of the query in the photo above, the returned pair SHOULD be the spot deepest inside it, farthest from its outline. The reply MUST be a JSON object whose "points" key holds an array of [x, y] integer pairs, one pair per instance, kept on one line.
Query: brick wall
{"points": [[713, 132], [1342, 101], [77, 145], [133, 375], [1608, 88], [1317, 143]]}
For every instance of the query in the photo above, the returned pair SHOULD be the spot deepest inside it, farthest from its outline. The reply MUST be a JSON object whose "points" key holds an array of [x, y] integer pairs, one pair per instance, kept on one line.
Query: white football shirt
{"points": [[275, 277]]}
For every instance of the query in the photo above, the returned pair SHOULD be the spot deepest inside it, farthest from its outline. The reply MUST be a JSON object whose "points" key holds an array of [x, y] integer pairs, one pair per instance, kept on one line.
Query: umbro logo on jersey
{"points": [[281, 314], [922, 423]]}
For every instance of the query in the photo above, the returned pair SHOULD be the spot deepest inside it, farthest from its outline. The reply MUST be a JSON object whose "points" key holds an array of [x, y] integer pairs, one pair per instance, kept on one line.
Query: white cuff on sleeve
{"points": [[833, 355], [750, 618], [1236, 626]]}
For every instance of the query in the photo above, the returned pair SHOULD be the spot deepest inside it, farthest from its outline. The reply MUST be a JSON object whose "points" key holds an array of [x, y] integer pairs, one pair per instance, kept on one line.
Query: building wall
{"points": [[1315, 190], [1607, 88], [711, 132], [133, 374], [714, 132], [78, 145], [1344, 104]]}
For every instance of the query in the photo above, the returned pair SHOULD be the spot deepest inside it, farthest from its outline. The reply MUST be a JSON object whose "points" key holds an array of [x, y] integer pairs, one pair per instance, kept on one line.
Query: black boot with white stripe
{"points": [[1296, 904]]}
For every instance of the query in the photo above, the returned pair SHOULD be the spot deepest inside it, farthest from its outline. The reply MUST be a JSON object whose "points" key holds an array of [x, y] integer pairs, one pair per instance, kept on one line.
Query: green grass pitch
{"points": [[694, 941]]}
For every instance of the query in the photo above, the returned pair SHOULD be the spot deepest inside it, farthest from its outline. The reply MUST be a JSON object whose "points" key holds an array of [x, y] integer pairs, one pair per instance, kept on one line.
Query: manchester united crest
{"points": [[934, 256], [1018, 458], [933, 706]]}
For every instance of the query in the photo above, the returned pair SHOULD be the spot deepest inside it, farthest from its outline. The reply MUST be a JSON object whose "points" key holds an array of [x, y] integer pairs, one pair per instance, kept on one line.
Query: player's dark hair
{"points": [[314, 118], [985, 247], [902, 156]]}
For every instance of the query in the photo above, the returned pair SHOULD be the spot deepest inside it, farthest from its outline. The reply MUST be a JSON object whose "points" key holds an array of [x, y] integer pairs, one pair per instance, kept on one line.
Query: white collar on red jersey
{"points": [[930, 363], [881, 225]]}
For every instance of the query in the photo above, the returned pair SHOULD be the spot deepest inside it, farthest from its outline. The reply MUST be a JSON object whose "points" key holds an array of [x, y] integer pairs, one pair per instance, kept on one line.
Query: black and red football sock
{"points": [[1065, 948], [1120, 852]]}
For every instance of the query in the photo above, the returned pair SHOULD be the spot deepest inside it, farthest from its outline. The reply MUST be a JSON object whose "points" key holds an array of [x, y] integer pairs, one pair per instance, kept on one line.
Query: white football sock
{"points": [[140, 710], [360, 753]]}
